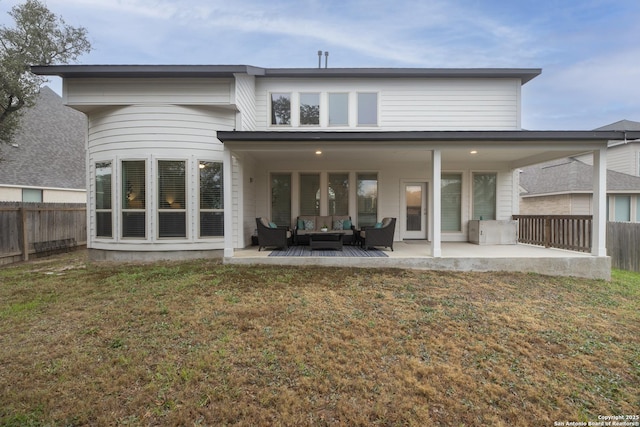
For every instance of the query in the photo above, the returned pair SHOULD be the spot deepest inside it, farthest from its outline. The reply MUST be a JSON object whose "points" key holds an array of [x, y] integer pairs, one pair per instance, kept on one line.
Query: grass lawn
{"points": [[201, 343]]}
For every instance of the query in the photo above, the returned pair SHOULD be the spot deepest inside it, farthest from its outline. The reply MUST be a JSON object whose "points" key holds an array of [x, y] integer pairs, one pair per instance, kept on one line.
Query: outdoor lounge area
{"points": [[456, 256]]}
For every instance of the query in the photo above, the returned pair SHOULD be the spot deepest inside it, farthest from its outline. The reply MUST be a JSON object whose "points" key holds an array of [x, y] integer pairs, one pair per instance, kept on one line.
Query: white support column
{"points": [[434, 204], [228, 203], [599, 238]]}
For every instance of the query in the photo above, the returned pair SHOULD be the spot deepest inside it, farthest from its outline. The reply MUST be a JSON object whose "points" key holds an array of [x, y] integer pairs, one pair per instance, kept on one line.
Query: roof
{"points": [[622, 125], [570, 175], [173, 71], [49, 148], [506, 136]]}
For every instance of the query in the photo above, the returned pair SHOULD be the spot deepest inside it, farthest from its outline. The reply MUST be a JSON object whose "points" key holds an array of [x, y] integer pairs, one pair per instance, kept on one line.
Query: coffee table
{"points": [[325, 241]]}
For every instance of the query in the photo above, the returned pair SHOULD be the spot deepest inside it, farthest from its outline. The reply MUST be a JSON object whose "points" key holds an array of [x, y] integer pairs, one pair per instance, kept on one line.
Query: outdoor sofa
{"points": [[309, 224]]}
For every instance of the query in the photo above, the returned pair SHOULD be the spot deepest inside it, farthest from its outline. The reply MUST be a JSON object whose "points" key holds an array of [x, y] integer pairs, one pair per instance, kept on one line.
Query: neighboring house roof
{"points": [[74, 71], [621, 125], [49, 148], [571, 176]]}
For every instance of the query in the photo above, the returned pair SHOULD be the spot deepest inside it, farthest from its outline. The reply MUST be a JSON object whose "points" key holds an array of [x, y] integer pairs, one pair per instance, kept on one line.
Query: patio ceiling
{"points": [[517, 148]]}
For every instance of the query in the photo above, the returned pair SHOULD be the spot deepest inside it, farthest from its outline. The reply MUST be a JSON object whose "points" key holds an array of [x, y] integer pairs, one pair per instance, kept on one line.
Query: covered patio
{"points": [[399, 157], [456, 256]]}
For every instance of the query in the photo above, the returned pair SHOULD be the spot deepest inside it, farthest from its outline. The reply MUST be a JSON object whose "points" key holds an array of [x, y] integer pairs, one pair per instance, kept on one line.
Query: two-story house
{"points": [[182, 159]]}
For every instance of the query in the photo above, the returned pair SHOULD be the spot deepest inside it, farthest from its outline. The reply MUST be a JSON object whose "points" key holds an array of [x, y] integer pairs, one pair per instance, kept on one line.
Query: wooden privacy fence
{"points": [[623, 245], [34, 228], [572, 232]]}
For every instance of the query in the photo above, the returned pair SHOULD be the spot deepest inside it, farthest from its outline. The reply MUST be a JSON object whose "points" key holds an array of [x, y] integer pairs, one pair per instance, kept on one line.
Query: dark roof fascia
{"points": [[524, 74], [495, 136], [110, 71], [84, 71]]}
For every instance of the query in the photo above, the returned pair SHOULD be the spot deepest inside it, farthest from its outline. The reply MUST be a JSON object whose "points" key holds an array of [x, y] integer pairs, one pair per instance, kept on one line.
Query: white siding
{"points": [[623, 158], [151, 133], [504, 196], [246, 102], [248, 200], [93, 92], [159, 126], [407, 104]]}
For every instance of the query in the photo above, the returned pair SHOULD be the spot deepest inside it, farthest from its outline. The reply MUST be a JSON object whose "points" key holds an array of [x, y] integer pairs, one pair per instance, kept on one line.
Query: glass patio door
{"points": [[415, 211]]}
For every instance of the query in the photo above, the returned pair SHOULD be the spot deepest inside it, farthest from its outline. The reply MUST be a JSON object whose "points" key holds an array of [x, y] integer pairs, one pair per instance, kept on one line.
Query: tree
{"points": [[39, 38]]}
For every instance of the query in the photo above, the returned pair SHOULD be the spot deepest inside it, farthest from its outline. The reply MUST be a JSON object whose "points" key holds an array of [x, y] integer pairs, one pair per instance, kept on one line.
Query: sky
{"points": [[588, 50]]}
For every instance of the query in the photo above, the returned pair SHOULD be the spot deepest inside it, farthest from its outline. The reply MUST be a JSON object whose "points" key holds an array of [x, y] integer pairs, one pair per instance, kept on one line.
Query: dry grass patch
{"points": [[199, 343]]}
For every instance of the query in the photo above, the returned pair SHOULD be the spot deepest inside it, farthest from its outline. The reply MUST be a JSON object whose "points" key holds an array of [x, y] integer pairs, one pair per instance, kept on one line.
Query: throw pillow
{"points": [[346, 224], [300, 224], [378, 225], [273, 225], [309, 224], [338, 224]]}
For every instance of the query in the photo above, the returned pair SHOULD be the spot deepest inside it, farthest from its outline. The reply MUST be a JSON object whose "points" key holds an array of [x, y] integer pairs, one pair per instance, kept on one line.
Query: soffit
{"points": [[517, 148]]}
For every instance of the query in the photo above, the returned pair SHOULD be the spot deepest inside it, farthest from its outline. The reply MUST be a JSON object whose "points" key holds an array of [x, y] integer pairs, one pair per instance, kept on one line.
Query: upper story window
{"points": [[281, 109], [309, 109], [338, 109], [367, 109]]}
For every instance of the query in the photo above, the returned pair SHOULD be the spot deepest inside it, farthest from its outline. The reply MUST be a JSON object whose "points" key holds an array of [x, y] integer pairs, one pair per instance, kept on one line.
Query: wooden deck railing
{"points": [[572, 232]]}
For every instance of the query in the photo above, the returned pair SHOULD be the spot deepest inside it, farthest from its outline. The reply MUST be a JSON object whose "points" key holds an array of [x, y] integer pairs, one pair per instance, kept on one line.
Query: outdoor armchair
{"points": [[270, 235], [379, 236]]}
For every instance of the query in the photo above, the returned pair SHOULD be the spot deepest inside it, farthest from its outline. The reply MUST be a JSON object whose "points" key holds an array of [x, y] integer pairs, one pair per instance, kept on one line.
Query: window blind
{"points": [[451, 205], [134, 198], [211, 199], [171, 198]]}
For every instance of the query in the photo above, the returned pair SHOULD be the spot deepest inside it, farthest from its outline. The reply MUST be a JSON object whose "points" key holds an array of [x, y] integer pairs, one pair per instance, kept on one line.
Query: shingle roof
{"points": [[622, 125], [571, 176], [49, 148]]}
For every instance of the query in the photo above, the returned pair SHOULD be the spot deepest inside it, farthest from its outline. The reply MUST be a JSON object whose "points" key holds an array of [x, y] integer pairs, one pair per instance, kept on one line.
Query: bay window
{"points": [[172, 212], [104, 226], [134, 214]]}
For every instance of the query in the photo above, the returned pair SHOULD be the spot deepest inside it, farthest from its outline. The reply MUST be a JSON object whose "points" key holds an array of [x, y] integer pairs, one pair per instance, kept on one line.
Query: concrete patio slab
{"points": [[455, 257]]}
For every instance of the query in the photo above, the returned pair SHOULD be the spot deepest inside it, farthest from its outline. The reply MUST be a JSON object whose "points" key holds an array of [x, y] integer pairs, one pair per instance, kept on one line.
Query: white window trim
{"points": [[121, 210], [156, 197], [94, 197]]}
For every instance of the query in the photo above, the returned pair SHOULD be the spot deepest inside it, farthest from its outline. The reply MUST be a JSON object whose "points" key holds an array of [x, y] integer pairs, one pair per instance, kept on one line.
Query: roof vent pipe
{"points": [[326, 59], [319, 59]]}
